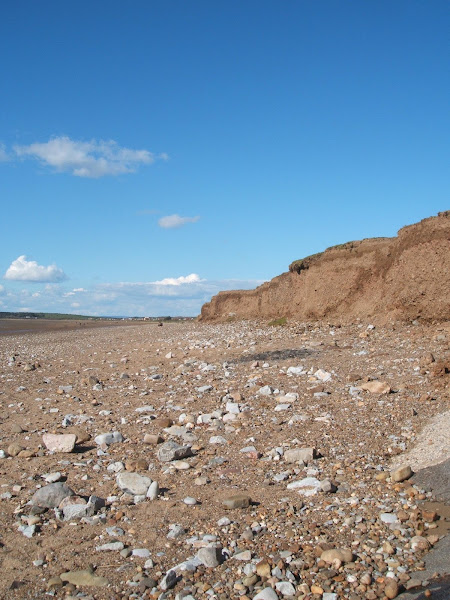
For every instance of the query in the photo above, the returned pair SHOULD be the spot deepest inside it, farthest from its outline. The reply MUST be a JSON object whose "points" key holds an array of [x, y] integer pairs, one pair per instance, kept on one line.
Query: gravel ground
{"points": [[278, 455]]}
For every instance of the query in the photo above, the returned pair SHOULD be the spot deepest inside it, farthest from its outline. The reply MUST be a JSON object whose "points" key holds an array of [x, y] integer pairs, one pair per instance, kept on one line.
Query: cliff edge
{"points": [[405, 277]]}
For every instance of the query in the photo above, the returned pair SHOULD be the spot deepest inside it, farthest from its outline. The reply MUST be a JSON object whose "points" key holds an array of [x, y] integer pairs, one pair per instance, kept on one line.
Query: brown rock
{"points": [[391, 588], [376, 387], [237, 501], [162, 423], [342, 554], [401, 474], [153, 439], [14, 449]]}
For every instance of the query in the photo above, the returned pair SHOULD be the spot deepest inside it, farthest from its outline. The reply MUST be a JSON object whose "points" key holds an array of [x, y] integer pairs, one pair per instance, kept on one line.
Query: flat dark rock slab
{"points": [[436, 479]]}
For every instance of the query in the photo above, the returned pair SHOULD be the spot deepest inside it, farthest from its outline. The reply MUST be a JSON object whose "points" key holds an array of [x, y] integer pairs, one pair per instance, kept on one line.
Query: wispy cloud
{"points": [[22, 269], [172, 221], [94, 159], [185, 297], [3, 154]]}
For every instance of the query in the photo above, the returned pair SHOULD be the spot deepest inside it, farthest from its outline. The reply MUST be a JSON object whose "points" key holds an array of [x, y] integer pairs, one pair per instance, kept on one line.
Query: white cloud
{"points": [[172, 221], [96, 158], [3, 154], [192, 278], [152, 298], [22, 269]]}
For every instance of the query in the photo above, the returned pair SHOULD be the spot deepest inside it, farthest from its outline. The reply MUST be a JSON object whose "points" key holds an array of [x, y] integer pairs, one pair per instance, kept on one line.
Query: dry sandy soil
{"points": [[239, 398]]}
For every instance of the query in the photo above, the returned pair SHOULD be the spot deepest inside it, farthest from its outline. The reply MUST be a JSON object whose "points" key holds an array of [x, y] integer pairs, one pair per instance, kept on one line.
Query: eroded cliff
{"points": [[405, 277]]}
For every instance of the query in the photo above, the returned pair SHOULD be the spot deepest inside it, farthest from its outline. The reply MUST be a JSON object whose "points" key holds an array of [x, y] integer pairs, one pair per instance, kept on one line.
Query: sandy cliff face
{"points": [[405, 277]]}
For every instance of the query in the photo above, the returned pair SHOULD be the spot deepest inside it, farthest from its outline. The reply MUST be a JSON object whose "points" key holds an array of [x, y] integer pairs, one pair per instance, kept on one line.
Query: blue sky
{"points": [[153, 153]]}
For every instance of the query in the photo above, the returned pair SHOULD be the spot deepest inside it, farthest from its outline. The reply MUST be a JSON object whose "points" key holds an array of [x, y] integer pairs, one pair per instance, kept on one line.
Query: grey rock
{"points": [[175, 532], [210, 556], [172, 451], [285, 588], [169, 580], [110, 547], [267, 593], [51, 496], [141, 552], [133, 483], [27, 530], [435, 478]]}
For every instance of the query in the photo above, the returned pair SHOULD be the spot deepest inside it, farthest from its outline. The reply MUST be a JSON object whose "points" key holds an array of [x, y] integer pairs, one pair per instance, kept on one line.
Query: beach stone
{"points": [[342, 554], [376, 387], [59, 442], [210, 556], [389, 518], [217, 439], [285, 588], [51, 496], [133, 483], [267, 593], [113, 437], [190, 501], [168, 581], [419, 542], [14, 449], [237, 501], [304, 455], [172, 451], [141, 552], [73, 507], [153, 439], [110, 547], [263, 569], [391, 588], [401, 474], [54, 583], [51, 477], [153, 490], [309, 486], [84, 577]]}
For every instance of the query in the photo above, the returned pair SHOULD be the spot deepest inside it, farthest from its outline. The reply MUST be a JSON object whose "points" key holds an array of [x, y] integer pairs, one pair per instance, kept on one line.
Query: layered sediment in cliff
{"points": [[405, 277]]}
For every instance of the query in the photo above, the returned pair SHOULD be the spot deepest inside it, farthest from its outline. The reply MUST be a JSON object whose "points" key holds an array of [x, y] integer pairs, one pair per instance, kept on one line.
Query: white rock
{"points": [[282, 407], [133, 483], [217, 439], [285, 588], [296, 370], [153, 490], [113, 437], [190, 501], [309, 486], [266, 390], [322, 375], [64, 442], [267, 593]]}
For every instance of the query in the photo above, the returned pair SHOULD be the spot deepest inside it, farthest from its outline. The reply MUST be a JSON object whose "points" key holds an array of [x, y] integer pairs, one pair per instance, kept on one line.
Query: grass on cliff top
{"points": [[278, 322]]}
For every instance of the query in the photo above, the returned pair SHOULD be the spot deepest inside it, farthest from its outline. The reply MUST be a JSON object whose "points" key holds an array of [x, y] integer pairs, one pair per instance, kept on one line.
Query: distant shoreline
{"points": [[26, 326]]}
